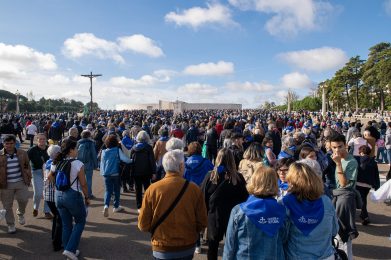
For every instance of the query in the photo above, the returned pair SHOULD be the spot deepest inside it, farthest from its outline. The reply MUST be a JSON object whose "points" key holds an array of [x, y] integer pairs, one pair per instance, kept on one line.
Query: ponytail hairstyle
{"points": [[225, 162], [66, 146]]}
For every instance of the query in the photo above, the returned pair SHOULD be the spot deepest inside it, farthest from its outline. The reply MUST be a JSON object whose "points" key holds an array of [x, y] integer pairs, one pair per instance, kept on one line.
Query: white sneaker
{"points": [[138, 211], [119, 209], [69, 255], [11, 229], [2, 214], [105, 212], [198, 250], [77, 252], [21, 220]]}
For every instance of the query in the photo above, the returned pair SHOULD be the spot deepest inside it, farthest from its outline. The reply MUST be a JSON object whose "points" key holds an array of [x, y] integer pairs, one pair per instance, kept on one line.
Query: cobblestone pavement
{"points": [[117, 237]]}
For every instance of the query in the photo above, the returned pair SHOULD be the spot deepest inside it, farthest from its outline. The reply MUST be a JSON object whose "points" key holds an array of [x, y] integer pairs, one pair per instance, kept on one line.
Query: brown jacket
{"points": [[24, 167], [159, 150], [180, 230]]}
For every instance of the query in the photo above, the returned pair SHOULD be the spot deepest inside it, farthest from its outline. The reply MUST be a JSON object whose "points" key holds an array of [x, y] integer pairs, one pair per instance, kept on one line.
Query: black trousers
{"points": [[212, 153], [141, 181], [213, 249], [364, 194], [56, 227]]}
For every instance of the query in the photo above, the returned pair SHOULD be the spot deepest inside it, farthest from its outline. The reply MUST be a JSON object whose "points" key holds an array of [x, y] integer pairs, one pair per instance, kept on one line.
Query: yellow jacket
{"points": [[180, 230]]}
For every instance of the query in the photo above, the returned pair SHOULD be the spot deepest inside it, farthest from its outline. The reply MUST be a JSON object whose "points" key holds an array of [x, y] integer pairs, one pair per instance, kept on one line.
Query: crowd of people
{"points": [[274, 185]]}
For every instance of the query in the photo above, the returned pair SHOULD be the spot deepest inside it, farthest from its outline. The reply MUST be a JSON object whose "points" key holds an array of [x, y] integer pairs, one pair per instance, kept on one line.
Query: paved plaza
{"points": [[117, 237]]}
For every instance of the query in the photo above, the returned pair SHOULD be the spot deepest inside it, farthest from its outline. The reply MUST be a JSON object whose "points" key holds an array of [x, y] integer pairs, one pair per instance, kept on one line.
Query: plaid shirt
{"points": [[48, 190]]}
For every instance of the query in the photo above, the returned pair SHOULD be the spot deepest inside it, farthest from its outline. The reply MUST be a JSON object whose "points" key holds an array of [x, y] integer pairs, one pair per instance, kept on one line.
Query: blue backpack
{"points": [[63, 175]]}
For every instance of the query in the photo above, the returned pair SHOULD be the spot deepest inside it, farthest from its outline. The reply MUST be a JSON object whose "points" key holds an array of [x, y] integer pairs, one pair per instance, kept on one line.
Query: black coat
{"points": [[143, 160], [211, 137], [220, 198], [368, 172]]}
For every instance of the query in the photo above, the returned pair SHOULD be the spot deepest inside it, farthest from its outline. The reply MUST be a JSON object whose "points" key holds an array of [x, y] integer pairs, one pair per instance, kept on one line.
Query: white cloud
{"points": [[320, 59], [210, 69], [198, 89], [140, 44], [250, 86], [387, 6], [17, 60], [196, 17], [296, 80], [288, 16], [159, 76], [83, 44]]}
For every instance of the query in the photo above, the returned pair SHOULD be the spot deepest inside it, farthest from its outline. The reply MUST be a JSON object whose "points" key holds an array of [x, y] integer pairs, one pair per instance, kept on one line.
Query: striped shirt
{"points": [[14, 173]]}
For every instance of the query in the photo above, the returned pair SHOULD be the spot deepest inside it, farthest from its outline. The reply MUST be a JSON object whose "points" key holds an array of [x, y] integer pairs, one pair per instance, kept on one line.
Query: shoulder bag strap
{"points": [[165, 215]]}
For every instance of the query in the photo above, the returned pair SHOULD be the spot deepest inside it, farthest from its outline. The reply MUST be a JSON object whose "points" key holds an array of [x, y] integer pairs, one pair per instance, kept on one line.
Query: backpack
{"points": [[63, 175]]}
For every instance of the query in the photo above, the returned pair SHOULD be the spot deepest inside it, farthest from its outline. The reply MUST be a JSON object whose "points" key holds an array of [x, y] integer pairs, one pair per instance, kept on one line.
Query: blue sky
{"points": [[241, 51]]}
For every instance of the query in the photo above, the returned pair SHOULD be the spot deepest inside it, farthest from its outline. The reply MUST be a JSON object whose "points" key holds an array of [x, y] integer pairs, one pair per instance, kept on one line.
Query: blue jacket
{"points": [[111, 157], [245, 241], [317, 244], [196, 167], [87, 154]]}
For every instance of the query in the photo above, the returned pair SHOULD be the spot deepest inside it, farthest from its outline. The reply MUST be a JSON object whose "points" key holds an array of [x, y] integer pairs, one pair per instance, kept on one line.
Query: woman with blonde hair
{"points": [[252, 158], [312, 217], [261, 220], [223, 188]]}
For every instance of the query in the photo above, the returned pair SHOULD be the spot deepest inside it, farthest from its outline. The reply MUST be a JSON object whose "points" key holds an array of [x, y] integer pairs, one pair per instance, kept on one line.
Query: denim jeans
{"points": [[112, 184], [70, 205], [56, 226], [388, 152], [381, 151], [38, 191], [89, 181], [190, 257]]}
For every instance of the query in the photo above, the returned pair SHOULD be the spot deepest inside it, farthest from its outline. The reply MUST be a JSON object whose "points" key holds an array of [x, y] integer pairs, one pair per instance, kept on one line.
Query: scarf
{"points": [[266, 214], [127, 142], [306, 215]]}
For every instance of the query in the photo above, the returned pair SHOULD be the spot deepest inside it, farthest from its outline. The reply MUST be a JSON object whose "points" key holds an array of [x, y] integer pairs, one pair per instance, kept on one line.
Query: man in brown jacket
{"points": [[15, 177], [177, 235]]}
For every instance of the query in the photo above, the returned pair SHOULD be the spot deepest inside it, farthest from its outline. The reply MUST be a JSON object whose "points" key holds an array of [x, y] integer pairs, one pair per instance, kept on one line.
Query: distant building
{"points": [[178, 106]]}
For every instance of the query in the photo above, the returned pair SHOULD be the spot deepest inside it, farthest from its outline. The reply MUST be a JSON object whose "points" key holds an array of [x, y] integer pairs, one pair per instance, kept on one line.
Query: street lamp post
{"points": [[91, 76], [17, 101]]}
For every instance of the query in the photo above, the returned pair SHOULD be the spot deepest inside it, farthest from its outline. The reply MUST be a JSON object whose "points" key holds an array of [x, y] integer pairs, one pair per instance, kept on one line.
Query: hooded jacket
{"points": [[196, 167], [143, 160], [87, 154]]}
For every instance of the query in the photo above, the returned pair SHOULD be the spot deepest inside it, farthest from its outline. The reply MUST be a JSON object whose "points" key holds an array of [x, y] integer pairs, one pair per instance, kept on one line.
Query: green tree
{"points": [[377, 70]]}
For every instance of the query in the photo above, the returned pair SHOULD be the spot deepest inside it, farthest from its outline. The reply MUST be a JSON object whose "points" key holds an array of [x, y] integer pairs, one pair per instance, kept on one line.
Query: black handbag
{"points": [[339, 254]]}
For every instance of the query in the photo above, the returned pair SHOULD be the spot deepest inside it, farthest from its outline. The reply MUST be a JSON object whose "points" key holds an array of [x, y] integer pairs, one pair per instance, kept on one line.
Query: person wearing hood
{"points": [[143, 165], [261, 220], [87, 155], [223, 188], [126, 146], [367, 178], [196, 167], [55, 132], [312, 219], [110, 170]]}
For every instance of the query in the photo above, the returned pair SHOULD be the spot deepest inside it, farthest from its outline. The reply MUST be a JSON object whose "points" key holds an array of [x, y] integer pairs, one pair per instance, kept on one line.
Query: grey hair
{"points": [[172, 161], [53, 150], [270, 127], [174, 144], [287, 142], [142, 137], [314, 165], [73, 132]]}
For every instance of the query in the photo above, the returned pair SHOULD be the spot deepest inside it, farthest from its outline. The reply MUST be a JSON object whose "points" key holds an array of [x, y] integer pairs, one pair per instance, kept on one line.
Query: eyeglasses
{"points": [[283, 170]]}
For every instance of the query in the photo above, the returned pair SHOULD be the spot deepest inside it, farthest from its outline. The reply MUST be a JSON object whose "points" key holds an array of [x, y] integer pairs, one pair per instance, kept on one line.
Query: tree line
{"points": [[29, 104], [360, 84]]}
